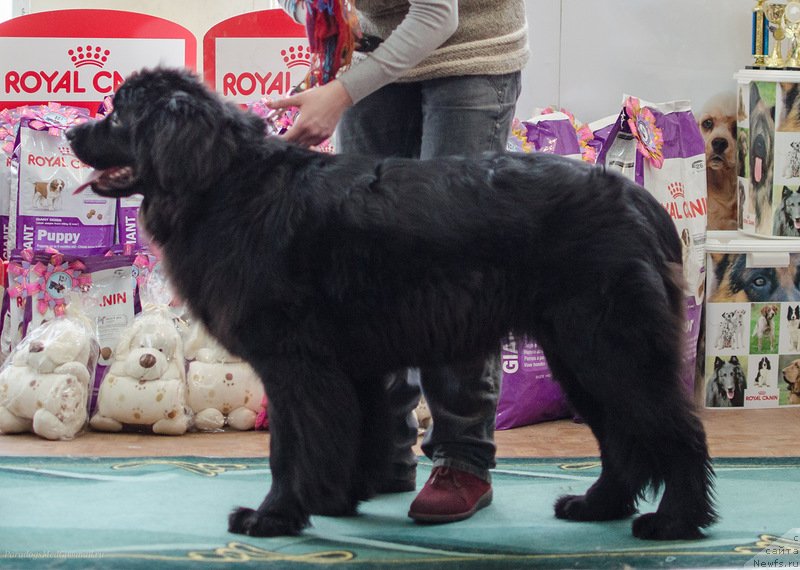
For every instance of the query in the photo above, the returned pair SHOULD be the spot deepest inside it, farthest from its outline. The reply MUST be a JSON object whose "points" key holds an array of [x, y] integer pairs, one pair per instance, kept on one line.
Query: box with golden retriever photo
{"points": [[768, 142], [752, 320]]}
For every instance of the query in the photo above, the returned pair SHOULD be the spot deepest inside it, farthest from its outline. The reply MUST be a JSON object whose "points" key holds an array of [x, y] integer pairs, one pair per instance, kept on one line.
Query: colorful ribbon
{"points": [[53, 117], [332, 29], [649, 138], [47, 283]]}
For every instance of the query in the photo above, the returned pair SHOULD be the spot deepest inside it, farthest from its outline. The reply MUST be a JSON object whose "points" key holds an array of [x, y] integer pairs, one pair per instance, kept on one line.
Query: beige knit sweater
{"points": [[427, 39], [491, 37]]}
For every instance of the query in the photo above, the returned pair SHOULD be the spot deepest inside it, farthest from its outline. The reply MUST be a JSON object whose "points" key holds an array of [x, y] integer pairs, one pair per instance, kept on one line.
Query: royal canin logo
{"points": [[67, 81], [89, 55], [296, 55], [676, 189], [270, 82]]}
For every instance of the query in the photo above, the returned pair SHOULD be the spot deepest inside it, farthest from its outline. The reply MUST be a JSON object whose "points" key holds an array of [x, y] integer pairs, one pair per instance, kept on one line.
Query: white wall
{"points": [[585, 53]]}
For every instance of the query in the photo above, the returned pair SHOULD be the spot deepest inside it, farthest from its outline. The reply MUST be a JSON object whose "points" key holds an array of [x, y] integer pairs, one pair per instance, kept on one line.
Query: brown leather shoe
{"points": [[450, 495]]}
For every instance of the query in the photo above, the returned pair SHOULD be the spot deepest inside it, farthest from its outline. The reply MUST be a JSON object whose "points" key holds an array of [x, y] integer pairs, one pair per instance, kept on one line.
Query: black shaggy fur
{"points": [[326, 272]]}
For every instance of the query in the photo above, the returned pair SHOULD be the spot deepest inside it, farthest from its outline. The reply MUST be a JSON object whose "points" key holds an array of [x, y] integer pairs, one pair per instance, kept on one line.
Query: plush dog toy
{"points": [[145, 385], [222, 388], [45, 385]]}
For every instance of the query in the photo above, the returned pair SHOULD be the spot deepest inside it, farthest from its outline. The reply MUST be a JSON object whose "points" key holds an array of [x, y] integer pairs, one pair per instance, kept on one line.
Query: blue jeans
{"points": [[462, 115]]}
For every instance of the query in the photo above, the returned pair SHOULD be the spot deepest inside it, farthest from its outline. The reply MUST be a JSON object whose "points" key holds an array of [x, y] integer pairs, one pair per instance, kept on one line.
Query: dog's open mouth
{"points": [[759, 157], [110, 180]]}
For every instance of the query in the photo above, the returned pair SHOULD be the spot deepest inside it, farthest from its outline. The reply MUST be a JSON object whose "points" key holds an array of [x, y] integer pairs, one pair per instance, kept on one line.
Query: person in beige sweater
{"points": [[444, 80]]}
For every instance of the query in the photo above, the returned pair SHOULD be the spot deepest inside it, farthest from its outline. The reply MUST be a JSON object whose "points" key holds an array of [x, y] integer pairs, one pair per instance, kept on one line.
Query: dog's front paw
{"points": [[581, 508], [253, 523], [655, 526]]}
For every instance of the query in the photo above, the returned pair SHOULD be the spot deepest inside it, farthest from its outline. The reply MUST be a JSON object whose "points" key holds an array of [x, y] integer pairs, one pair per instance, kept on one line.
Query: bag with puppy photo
{"points": [[44, 211], [9, 123], [660, 146]]}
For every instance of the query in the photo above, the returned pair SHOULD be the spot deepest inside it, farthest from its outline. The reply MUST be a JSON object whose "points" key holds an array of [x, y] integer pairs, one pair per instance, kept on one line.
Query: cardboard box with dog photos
{"points": [[752, 322], [768, 141]]}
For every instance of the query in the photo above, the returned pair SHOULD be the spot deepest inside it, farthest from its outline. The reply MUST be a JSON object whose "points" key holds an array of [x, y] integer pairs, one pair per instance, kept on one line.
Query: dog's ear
{"points": [[734, 360], [755, 96], [187, 146], [718, 363]]}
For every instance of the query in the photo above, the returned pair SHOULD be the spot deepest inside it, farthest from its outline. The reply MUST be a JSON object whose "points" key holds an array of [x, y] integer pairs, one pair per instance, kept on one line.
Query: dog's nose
{"points": [[719, 145], [36, 346], [147, 361]]}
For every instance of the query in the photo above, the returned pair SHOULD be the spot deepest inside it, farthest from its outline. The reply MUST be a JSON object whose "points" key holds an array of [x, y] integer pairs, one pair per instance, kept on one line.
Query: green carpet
{"points": [[171, 513]]}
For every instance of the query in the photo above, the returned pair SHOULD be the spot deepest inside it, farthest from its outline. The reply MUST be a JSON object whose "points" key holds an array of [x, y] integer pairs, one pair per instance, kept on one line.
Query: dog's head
{"points": [[733, 281], [790, 206], [729, 377], [717, 124], [769, 311], [791, 375], [56, 186], [762, 126], [163, 128], [764, 364]]}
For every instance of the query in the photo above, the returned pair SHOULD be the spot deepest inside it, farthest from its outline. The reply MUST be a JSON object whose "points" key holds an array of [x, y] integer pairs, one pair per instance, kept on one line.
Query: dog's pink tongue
{"points": [[94, 175], [730, 394], [757, 173]]}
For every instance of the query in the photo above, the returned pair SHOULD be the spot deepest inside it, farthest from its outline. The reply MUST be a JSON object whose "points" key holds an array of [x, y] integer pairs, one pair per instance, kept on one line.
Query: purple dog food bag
{"points": [[46, 212], [129, 232], [9, 124], [528, 393], [660, 147], [551, 133], [103, 286]]}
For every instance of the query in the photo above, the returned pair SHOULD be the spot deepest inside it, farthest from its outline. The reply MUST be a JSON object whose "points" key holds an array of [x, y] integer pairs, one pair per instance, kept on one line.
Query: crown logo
{"points": [[296, 55], [676, 189], [88, 55], [66, 150]]}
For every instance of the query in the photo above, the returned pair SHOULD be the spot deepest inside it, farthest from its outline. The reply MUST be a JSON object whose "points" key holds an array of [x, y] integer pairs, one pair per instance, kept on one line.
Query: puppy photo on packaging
{"points": [[326, 272]]}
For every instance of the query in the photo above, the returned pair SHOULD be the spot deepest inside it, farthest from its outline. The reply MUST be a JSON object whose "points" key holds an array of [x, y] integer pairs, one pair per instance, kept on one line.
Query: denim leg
{"points": [[385, 123], [402, 388], [451, 116], [463, 403], [389, 123], [468, 115], [465, 116]]}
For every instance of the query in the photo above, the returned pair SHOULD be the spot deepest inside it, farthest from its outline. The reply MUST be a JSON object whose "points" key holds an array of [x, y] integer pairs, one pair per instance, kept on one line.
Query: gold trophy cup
{"points": [[774, 11], [791, 21]]}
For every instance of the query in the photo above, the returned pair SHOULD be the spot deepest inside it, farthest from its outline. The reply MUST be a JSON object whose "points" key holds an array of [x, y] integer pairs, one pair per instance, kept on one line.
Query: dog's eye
{"points": [[759, 287], [114, 120], [708, 124]]}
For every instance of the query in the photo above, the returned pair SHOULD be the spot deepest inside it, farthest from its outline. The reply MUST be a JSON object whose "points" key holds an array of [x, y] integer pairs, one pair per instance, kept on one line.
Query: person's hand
{"points": [[319, 109]]}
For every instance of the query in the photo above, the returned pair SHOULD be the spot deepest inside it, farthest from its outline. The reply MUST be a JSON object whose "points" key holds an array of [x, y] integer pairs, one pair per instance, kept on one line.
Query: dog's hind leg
{"points": [[612, 496], [315, 433], [622, 372]]}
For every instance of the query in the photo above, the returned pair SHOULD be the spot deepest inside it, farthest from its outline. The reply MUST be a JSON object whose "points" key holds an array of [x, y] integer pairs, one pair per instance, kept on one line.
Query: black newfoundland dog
{"points": [[327, 272]]}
